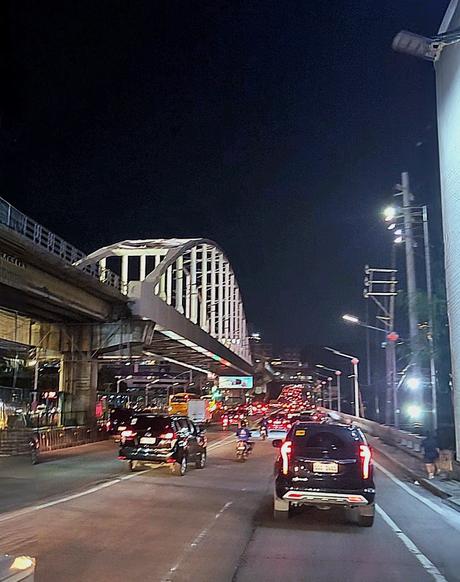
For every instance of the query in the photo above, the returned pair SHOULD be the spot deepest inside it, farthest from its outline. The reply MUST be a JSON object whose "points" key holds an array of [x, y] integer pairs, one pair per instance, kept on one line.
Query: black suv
{"points": [[325, 465], [156, 440]]}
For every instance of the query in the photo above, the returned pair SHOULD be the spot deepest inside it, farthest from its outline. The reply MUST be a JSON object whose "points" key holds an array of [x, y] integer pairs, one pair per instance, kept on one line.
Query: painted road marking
{"points": [[445, 512], [197, 540], [32, 508], [426, 563]]}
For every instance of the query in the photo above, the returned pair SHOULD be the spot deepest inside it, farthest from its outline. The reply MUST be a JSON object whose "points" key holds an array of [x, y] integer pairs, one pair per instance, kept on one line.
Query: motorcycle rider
{"points": [[243, 434], [264, 425]]}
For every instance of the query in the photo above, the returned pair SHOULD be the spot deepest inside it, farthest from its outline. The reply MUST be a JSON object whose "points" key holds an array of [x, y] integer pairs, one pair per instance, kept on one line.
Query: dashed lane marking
{"points": [[426, 563]]}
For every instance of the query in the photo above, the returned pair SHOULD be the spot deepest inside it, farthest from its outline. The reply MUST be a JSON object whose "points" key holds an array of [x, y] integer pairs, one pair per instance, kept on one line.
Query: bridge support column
{"points": [[79, 385]]}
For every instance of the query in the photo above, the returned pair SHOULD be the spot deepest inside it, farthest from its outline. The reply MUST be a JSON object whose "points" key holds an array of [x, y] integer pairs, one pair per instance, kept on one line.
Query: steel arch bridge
{"points": [[188, 288]]}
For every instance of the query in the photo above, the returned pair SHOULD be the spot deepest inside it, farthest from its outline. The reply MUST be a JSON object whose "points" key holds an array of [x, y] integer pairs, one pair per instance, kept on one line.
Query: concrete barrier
{"points": [[17, 569], [409, 442]]}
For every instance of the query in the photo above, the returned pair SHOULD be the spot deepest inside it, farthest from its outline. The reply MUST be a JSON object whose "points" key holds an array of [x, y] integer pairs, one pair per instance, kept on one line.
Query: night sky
{"points": [[277, 129]]}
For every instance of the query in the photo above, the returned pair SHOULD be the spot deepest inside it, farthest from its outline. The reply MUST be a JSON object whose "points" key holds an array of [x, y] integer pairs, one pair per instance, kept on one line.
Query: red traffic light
{"points": [[392, 336]]}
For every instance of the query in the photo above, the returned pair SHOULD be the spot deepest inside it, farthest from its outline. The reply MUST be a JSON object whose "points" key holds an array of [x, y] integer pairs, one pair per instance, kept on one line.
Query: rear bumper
{"points": [[147, 455], [323, 498], [303, 495]]}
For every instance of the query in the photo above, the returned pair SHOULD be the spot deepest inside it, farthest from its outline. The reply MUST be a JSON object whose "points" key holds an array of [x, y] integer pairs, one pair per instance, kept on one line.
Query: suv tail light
{"points": [[286, 449], [366, 456], [128, 434]]}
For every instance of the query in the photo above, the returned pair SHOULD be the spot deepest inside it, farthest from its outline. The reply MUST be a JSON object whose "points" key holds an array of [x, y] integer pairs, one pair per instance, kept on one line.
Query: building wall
{"points": [[448, 97]]}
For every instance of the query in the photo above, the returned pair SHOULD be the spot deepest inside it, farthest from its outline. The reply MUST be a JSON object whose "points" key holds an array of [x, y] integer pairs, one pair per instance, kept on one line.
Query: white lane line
{"points": [[197, 540], [426, 563], [32, 508], [445, 512], [225, 441], [95, 489]]}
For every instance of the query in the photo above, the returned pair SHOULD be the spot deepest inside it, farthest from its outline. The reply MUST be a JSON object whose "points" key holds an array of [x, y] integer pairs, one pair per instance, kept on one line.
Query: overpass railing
{"points": [[12, 218], [409, 442]]}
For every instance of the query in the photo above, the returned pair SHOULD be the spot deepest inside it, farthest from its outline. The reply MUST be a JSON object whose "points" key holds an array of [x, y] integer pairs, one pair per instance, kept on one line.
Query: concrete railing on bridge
{"points": [[409, 442], [15, 220]]}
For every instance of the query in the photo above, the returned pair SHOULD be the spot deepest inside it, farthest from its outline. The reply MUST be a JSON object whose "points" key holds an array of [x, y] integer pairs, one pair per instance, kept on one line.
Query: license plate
{"points": [[148, 441], [320, 467]]}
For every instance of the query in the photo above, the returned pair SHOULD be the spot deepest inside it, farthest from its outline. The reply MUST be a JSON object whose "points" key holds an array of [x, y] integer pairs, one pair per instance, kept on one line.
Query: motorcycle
{"points": [[243, 448], [34, 449], [263, 432]]}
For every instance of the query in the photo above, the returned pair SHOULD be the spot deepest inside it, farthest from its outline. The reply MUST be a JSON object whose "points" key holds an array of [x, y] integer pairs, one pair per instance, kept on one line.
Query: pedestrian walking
{"points": [[430, 454]]}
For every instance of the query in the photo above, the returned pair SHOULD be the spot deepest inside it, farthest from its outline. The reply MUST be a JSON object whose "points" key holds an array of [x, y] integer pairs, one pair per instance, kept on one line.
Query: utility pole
{"points": [[429, 293], [410, 267], [380, 286]]}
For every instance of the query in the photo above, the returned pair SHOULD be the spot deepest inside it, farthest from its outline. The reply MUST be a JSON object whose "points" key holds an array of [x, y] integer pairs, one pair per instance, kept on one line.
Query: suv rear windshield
{"points": [[155, 424], [336, 441]]}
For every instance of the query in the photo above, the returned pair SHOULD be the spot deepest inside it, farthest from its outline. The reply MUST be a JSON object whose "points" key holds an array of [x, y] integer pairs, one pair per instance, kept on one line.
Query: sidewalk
{"points": [[447, 489]]}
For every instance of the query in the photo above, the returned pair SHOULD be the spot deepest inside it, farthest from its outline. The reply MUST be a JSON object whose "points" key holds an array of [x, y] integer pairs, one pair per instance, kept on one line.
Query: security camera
{"points": [[424, 47]]}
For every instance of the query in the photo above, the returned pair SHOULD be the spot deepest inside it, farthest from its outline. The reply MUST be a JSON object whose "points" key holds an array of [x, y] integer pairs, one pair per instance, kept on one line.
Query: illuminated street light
{"points": [[413, 383], [389, 213], [414, 411], [351, 318], [398, 240], [354, 363]]}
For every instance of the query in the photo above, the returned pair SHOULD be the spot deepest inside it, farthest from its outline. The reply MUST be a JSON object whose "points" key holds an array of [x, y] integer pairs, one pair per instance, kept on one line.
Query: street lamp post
{"points": [[354, 363], [392, 215], [337, 373]]}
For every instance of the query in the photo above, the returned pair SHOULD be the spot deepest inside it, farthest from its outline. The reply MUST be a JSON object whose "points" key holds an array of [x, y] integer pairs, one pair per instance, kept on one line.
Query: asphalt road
{"points": [[216, 525]]}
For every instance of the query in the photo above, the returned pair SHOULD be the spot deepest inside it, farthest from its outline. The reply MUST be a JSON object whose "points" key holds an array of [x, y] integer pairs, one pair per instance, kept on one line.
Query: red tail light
{"points": [[128, 434], [169, 436], [286, 449], [366, 456]]}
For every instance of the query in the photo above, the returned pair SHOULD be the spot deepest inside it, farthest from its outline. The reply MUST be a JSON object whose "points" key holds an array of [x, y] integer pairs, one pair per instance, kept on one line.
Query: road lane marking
{"points": [[426, 563], [32, 508], [445, 512], [26, 510], [197, 540]]}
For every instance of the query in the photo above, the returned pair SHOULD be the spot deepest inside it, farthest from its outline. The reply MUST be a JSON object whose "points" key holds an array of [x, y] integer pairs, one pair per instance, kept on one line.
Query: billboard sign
{"points": [[227, 382]]}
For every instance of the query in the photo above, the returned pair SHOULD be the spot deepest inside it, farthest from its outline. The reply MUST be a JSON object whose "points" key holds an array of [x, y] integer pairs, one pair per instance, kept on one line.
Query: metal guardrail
{"points": [[52, 439], [12, 218]]}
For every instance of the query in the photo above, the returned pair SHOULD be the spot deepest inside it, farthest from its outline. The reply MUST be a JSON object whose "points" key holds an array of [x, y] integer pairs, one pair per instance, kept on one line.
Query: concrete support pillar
{"points": [[226, 302], [169, 276], [448, 94], [180, 285], [157, 262], [78, 376], [204, 288], [213, 294], [231, 315], [188, 291], [102, 268], [193, 286], [220, 299], [142, 267], [124, 270]]}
